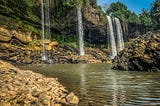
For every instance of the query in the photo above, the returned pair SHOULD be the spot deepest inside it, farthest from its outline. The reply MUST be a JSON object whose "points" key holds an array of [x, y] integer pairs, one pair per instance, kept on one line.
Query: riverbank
{"points": [[23, 87], [20, 48]]}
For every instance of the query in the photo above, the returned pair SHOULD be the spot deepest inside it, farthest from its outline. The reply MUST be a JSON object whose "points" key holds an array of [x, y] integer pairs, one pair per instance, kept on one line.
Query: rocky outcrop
{"points": [[142, 55], [25, 88], [9, 35]]}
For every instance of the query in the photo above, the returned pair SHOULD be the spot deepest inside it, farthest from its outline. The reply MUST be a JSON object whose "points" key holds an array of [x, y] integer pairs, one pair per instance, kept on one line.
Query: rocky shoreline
{"points": [[142, 55], [17, 49], [59, 55], [23, 87]]}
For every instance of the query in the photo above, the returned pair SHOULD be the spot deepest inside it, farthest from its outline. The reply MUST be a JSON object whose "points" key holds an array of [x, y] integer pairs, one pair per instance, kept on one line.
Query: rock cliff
{"points": [[26, 17], [142, 55]]}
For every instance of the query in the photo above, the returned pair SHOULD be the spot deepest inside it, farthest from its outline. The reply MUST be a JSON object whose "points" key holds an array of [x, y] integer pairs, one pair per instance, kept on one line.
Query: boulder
{"points": [[5, 35], [142, 55], [52, 45], [22, 37], [72, 99]]}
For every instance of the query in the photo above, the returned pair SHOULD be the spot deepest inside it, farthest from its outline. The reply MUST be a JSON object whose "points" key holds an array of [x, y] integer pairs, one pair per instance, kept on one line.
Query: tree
{"points": [[145, 18], [115, 7], [133, 18], [121, 11], [155, 13]]}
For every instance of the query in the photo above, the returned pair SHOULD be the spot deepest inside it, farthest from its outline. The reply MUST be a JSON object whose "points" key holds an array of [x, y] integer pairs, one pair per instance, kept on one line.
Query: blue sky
{"points": [[133, 5]]}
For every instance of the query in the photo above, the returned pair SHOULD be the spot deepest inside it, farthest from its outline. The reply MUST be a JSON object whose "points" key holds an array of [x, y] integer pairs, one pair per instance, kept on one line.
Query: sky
{"points": [[133, 5]]}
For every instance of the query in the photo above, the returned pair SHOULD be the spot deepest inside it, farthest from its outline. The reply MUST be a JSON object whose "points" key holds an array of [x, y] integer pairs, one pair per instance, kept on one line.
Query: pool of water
{"points": [[98, 85]]}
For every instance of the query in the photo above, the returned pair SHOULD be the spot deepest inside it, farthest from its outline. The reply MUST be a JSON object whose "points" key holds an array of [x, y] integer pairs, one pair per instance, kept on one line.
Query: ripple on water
{"points": [[97, 85]]}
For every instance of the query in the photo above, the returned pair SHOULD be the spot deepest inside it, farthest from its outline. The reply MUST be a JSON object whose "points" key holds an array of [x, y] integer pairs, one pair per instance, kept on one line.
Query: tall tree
{"points": [[145, 18], [121, 11], [155, 13]]}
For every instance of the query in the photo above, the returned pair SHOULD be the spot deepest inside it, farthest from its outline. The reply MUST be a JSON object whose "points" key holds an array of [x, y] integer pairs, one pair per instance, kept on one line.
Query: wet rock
{"points": [[72, 99], [142, 55]]}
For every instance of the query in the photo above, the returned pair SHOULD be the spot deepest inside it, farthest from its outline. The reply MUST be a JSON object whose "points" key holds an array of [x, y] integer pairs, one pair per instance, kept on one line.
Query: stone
{"points": [[52, 45], [14, 58], [25, 88], [72, 99], [5, 35]]}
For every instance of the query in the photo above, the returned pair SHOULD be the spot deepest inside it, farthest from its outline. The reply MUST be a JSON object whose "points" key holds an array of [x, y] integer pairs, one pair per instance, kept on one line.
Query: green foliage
{"points": [[127, 44], [121, 11], [19, 15], [72, 2], [155, 13], [115, 7], [19, 25], [149, 20], [133, 18], [22, 9], [65, 40], [86, 2], [93, 3], [145, 18]]}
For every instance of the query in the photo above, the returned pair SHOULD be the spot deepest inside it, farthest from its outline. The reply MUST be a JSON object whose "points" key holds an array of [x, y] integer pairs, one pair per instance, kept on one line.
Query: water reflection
{"points": [[118, 91], [115, 88], [98, 85], [81, 70]]}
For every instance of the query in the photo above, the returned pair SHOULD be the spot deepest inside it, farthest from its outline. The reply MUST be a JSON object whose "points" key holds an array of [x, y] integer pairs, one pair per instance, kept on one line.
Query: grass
{"points": [[73, 44], [127, 44]]}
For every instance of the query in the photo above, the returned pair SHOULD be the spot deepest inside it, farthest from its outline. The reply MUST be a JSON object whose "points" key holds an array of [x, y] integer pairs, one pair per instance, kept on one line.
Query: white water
{"points": [[120, 41], [45, 14], [112, 38], [80, 31]]}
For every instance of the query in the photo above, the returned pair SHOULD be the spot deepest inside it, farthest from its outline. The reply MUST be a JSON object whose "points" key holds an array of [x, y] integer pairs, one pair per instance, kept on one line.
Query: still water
{"points": [[98, 85]]}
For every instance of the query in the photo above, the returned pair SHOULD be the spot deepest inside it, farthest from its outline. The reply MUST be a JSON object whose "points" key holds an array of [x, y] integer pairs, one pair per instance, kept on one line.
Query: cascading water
{"points": [[80, 31], [45, 11], [112, 38], [120, 41]]}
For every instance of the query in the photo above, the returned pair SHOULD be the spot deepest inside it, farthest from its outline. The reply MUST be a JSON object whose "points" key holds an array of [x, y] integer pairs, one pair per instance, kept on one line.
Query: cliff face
{"points": [[95, 26], [21, 15], [142, 55], [25, 15]]}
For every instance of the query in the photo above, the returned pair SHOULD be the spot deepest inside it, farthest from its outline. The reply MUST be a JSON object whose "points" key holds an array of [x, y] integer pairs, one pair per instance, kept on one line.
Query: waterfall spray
{"points": [[80, 31], [45, 15], [120, 41], [112, 38]]}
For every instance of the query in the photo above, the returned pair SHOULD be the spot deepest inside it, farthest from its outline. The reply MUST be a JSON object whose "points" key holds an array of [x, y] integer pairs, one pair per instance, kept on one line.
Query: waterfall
{"points": [[120, 41], [80, 31], [112, 38], [45, 14]]}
